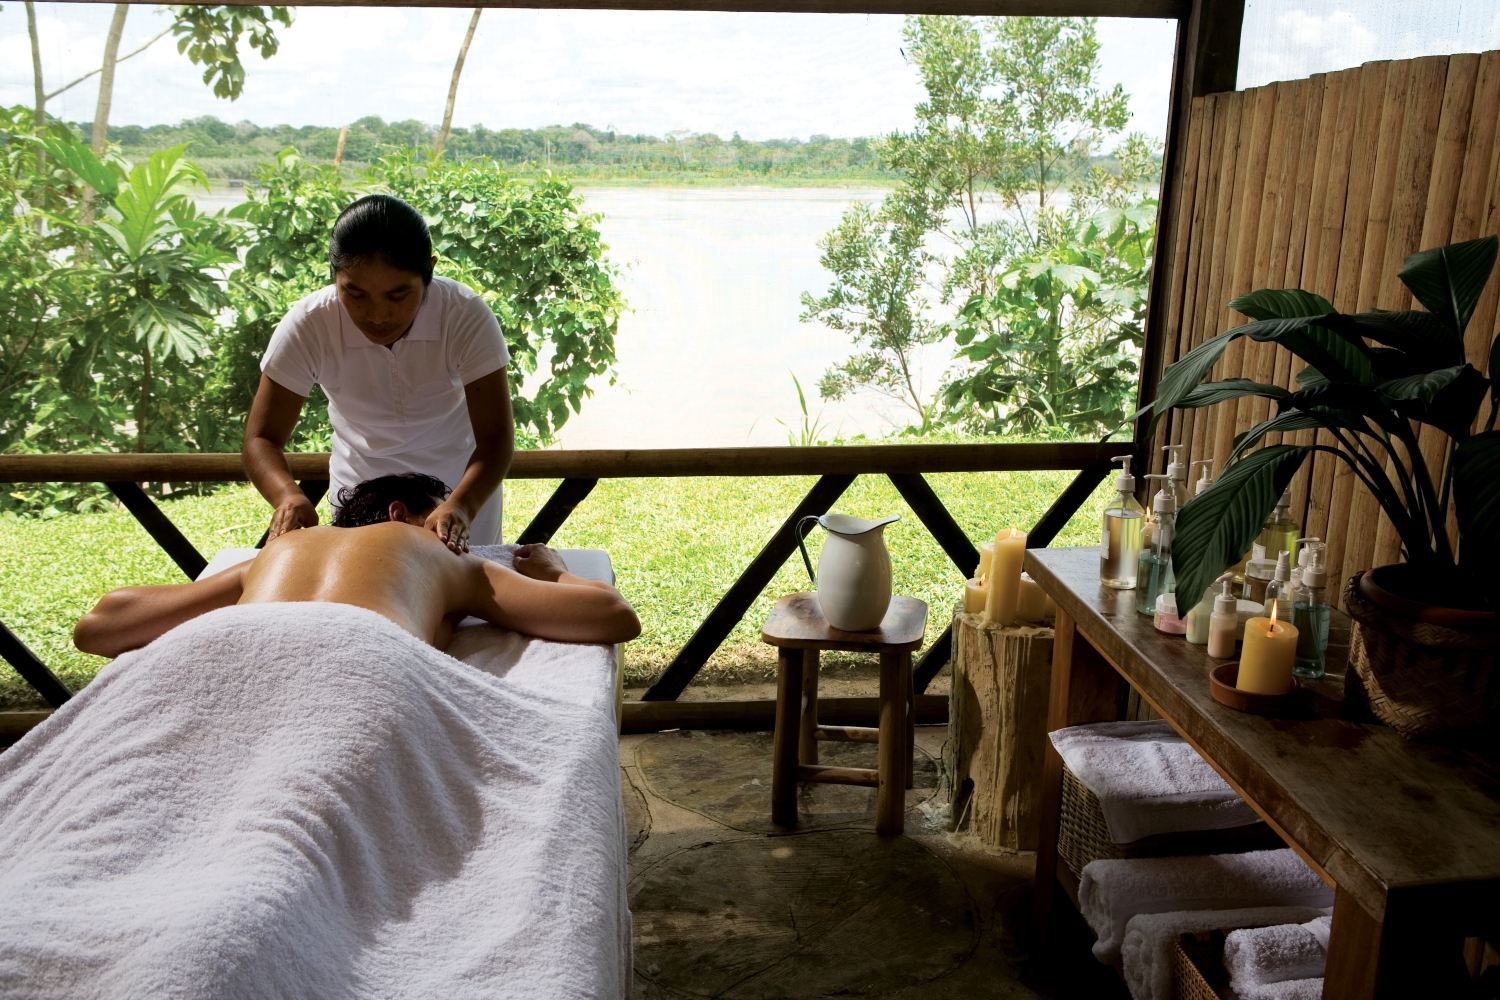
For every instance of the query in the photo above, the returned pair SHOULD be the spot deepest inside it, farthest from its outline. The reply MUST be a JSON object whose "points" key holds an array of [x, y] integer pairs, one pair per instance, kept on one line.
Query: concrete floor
{"points": [[724, 907]]}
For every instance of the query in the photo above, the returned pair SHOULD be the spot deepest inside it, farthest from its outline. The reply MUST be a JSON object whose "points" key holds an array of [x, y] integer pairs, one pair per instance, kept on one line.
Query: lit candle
{"points": [[976, 592], [1269, 653], [1031, 606], [1005, 577], [986, 553]]}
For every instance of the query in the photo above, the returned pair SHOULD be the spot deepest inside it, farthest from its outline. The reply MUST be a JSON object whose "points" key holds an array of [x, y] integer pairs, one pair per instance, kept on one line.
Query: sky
{"points": [[762, 75]]}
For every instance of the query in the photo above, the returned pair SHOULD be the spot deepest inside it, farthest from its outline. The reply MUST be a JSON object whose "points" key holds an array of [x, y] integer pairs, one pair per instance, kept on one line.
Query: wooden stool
{"points": [[798, 630]]}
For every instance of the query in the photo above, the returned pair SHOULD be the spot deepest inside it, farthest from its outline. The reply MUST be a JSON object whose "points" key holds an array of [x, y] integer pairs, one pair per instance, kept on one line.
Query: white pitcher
{"points": [[854, 570]]}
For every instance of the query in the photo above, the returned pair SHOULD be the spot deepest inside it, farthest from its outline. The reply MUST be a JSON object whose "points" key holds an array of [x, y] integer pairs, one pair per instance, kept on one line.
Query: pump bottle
{"points": [[1310, 609], [1223, 625], [1204, 482], [1177, 475], [1120, 543], [1154, 575], [1280, 532], [1260, 570], [1198, 619]]}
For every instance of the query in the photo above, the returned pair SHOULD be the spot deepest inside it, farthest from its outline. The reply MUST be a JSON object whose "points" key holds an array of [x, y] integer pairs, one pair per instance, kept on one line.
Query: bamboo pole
{"points": [[1206, 233], [1180, 429], [1307, 163]]}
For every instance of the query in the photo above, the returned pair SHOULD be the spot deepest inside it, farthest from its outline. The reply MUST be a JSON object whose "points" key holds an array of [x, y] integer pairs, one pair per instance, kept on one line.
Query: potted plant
{"points": [[1425, 631]]}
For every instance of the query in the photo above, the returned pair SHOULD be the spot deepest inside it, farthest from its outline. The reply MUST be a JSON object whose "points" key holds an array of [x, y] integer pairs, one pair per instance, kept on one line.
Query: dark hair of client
{"points": [[370, 501], [378, 225]]}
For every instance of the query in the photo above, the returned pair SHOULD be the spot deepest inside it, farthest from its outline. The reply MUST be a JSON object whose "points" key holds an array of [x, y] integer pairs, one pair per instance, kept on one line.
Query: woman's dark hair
{"points": [[370, 501], [378, 225]]}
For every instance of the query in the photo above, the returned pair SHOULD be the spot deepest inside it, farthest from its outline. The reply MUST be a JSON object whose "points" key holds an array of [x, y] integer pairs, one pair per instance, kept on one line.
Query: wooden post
{"points": [[788, 733], [999, 735], [808, 743], [890, 797]]}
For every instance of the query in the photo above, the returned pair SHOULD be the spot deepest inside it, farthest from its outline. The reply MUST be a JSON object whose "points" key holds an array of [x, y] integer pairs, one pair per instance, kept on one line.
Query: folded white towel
{"points": [[1260, 956], [1151, 941], [1111, 892], [1292, 989], [1149, 780]]}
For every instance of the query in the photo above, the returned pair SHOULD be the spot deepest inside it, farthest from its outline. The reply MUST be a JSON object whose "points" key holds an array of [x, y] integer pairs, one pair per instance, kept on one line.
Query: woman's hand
{"points": [[298, 512], [451, 523], [539, 562]]}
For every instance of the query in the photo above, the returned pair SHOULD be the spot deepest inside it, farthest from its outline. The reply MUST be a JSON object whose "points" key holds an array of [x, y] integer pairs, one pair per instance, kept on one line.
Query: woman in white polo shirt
{"points": [[414, 369]]}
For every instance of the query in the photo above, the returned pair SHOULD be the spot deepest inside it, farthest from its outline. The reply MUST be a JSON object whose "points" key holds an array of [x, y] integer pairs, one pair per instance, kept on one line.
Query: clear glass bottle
{"points": [[1280, 532], [1279, 590], [1177, 475], [1259, 570], [1310, 610], [1223, 625], [1154, 575], [1120, 543]]}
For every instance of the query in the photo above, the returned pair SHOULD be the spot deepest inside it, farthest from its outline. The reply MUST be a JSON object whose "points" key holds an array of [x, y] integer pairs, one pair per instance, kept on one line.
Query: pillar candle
{"points": [[976, 592], [1005, 577], [1269, 653], [986, 553], [1031, 606]]}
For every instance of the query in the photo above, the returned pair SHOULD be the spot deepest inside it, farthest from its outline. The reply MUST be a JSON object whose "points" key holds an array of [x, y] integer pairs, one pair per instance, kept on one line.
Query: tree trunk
{"points": [[106, 95], [39, 117], [143, 405], [338, 154], [458, 68]]}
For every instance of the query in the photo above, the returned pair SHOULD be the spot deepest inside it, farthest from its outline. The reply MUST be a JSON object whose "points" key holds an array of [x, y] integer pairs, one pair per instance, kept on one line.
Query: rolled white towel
{"points": [[1260, 956], [1292, 989], [1112, 891], [1149, 780], [1151, 940]]}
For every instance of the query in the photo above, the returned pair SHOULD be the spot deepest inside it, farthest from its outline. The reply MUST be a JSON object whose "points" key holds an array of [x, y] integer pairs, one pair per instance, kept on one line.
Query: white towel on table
{"points": [[290, 800], [1112, 891], [1261, 956], [1149, 780], [1147, 955], [1292, 989]]}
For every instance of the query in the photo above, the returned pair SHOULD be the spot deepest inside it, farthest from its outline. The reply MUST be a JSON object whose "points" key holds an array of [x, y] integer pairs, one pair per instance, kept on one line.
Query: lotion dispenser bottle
{"points": [[1223, 625], [1177, 475], [1154, 575], [1204, 482], [1279, 590], [1310, 610], [1120, 543], [1280, 532]]}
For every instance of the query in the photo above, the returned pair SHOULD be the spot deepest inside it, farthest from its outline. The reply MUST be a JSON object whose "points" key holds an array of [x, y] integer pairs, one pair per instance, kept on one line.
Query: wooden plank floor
{"points": [[721, 909]]}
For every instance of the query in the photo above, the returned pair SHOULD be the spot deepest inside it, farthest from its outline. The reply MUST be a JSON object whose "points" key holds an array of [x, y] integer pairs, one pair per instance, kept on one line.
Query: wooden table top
{"points": [[797, 622], [1374, 811]]}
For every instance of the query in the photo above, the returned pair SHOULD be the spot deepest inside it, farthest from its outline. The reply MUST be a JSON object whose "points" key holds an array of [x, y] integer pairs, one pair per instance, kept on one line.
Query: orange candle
{"points": [[1269, 653], [976, 592], [1005, 577]]}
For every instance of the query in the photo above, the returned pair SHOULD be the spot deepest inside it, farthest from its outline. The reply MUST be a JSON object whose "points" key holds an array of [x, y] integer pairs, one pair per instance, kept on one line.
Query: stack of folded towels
{"points": [[1150, 781], [1283, 962]]}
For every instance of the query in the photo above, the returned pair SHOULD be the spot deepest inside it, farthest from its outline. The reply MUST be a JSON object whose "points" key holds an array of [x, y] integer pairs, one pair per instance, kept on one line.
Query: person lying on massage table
{"points": [[378, 556]]}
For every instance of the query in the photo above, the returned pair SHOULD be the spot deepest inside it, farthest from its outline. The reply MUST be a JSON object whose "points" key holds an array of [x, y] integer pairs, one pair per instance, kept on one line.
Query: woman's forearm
{"points": [[268, 469]]}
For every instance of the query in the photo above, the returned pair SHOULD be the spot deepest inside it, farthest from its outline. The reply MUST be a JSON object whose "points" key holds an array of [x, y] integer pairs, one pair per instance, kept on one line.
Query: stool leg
{"points": [[890, 795], [911, 721], [788, 733], [808, 753]]}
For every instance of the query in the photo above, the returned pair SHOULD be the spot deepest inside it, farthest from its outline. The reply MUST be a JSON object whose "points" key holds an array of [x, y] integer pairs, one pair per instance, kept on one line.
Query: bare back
{"points": [[394, 569]]}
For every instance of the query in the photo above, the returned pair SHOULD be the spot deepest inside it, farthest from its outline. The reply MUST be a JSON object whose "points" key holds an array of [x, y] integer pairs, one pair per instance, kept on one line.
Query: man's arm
{"points": [[130, 617], [541, 598]]}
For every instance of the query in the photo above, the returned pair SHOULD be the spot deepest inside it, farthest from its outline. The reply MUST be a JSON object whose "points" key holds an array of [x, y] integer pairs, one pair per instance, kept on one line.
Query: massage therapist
{"points": [[414, 369]]}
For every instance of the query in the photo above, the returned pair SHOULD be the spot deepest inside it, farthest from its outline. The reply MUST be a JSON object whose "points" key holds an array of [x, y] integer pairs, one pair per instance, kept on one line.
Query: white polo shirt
{"points": [[397, 409]]}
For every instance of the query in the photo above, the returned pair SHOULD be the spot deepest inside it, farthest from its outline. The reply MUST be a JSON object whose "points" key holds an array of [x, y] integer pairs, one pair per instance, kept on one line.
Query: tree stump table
{"points": [[798, 629]]}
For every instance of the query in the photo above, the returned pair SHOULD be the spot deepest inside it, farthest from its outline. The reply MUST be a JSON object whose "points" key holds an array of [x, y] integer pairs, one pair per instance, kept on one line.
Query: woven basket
{"points": [[1083, 835], [1422, 679], [1199, 962]]}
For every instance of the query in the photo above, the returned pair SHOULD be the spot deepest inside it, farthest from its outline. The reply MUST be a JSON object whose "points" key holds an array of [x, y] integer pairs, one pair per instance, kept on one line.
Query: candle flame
{"points": [[1275, 606]]}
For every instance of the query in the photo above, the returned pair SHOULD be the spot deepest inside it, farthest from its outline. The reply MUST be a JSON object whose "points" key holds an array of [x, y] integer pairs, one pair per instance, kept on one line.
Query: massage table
{"points": [[368, 820]]}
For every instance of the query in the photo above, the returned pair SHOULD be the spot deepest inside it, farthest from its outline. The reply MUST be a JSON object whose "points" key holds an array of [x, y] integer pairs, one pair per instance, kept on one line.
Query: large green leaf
{"points": [[1217, 527], [1292, 420], [168, 330], [1210, 393], [1418, 333], [81, 160], [1281, 303], [1447, 399], [1449, 280], [1476, 499], [1340, 357]]}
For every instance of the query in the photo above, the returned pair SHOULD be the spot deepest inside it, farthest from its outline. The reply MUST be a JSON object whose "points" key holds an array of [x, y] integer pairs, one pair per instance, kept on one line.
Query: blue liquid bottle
{"points": [[1310, 610], [1154, 572]]}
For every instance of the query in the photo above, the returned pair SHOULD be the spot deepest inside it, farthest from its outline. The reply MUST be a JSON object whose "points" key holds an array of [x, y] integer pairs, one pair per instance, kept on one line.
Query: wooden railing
{"points": [[580, 471]]}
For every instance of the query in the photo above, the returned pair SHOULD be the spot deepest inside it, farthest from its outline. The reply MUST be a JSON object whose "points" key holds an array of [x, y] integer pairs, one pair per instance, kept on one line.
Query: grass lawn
{"points": [[677, 545]]}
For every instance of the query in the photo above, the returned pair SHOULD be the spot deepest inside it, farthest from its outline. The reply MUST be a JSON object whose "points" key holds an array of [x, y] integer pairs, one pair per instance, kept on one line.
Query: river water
{"points": [[713, 278]]}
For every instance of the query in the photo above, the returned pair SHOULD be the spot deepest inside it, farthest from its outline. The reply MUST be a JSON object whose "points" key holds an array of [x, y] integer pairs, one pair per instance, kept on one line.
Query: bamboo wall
{"points": [[1327, 184]]}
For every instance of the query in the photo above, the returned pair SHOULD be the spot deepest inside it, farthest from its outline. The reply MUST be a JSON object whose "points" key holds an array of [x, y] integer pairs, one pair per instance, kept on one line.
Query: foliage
{"points": [[1048, 292], [537, 259], [810, 431], [209, 35], [1367, 397], [879, 263]]}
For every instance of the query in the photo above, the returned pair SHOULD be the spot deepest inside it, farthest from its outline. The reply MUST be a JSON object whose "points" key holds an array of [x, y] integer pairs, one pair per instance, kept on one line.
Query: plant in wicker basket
{"points": [[1425, 638]]}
